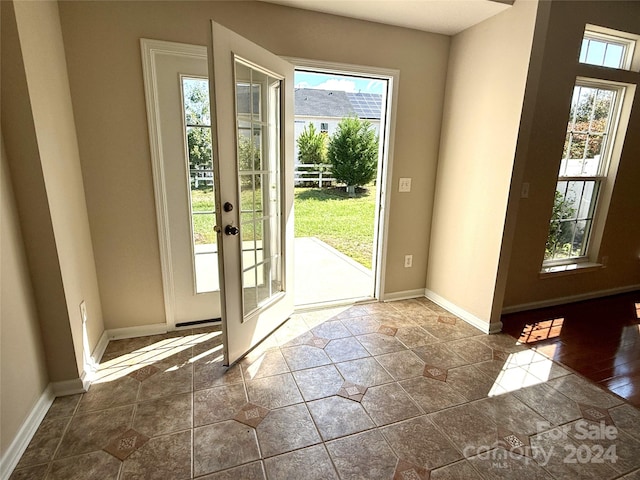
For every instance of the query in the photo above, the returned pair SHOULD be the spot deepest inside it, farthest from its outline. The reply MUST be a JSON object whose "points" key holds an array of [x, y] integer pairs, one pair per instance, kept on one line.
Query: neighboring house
{"points": [[325, 108]]}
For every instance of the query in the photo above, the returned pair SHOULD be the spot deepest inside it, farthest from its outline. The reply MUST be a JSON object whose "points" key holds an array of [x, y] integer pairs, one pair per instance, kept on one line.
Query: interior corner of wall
{"points": [[70, 387]]}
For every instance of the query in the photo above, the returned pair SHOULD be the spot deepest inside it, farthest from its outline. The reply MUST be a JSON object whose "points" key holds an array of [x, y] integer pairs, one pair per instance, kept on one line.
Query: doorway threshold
{"points": [[348, 302]]}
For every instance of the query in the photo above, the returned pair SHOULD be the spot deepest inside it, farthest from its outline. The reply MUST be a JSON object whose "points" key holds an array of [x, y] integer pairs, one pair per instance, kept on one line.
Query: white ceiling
{"points": [[439, 16]]}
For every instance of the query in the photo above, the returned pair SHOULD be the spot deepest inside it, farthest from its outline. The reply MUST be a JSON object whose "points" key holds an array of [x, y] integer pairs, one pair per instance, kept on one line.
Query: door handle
{"points": [[231, 230]]}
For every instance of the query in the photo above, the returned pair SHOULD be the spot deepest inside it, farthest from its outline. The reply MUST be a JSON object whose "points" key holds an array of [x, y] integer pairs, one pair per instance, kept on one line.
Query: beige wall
{"points": [[39, 129], [23, 372], [486, 80], [103, 58], [540, 164]]}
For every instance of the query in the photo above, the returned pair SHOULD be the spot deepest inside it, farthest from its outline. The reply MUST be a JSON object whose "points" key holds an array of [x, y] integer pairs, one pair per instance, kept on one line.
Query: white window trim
{"points": [[630, 41], [605, 77], [607, 172], [613, 152]]}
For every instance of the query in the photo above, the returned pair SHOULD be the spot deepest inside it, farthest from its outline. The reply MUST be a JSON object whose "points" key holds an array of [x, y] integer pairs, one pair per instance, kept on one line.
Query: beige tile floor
{"points": [[379, 391]]}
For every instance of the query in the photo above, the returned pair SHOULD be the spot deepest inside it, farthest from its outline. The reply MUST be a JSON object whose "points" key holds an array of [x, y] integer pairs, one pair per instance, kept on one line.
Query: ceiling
{"points": [[439, 16]]}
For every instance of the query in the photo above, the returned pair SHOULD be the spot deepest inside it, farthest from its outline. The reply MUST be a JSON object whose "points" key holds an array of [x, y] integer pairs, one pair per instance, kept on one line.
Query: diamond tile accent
{"points": [[592, 412], [500, 355], [409, 471], [125, 444], [436, 373], [595, 414], [387, 330], [447, 320], [318, 342], [143, 373], [515, 442], [251, 415], [352, 391]]}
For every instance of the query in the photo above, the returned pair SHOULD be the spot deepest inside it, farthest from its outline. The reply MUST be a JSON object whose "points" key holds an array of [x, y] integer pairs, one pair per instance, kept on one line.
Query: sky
{"points": [[339, 82]]}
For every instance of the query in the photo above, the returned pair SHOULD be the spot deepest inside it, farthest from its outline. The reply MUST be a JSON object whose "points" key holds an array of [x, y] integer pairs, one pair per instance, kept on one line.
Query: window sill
{"points": [[569, 269]]}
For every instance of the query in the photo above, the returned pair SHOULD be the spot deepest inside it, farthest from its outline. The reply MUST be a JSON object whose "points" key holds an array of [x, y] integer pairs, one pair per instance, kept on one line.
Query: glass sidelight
{"points": [[197, 122]]}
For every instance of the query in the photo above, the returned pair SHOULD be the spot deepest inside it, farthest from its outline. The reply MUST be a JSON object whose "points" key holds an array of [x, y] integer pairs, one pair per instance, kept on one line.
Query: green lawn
{"points": [[342, 222], [328, 214]]}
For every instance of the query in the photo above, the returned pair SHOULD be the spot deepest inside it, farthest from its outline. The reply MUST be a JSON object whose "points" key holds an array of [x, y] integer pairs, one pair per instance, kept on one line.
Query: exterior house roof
{"points": [[335, 103]]}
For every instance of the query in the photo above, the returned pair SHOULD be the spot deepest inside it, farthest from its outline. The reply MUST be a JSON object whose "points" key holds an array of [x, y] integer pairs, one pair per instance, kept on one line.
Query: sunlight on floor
{"points": [[254, 368], [520, 370], [128, 363], [538, 331], [529, 367]]}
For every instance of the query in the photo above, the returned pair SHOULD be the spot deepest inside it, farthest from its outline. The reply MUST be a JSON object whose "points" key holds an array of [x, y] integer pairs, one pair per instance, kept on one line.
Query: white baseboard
{"points": [[405, 295], [12, 455], [468, 317], [551, 302], [96, 356], [132, 332]]}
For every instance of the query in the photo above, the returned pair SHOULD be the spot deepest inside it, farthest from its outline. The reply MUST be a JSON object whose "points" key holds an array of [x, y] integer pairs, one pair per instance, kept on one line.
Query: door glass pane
{"points": [[197, 120], [259, 163]]}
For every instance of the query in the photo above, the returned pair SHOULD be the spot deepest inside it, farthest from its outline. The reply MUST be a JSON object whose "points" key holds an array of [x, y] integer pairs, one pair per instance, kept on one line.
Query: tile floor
{"points": [[401, 390]]}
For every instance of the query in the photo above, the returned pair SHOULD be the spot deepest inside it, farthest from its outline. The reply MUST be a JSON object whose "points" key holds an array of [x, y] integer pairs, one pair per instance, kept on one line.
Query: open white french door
{"points": [[251, 92]]}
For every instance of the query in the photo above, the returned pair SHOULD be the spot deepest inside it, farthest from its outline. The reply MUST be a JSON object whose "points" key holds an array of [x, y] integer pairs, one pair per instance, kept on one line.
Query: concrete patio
{"points": [[323, 275]]}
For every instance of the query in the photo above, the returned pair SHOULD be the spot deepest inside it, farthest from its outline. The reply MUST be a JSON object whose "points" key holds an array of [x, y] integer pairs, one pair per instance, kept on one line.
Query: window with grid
{"points": [[606, 50], [324, 127], [594, 115], [582, 170]]}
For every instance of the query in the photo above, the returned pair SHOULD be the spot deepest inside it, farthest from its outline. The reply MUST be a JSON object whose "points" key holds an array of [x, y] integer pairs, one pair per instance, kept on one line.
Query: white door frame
{"points": [[151, 49], [384, 173]]}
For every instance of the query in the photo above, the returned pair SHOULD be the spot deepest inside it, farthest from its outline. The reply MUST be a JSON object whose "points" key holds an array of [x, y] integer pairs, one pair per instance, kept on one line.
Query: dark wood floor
{"points": [[599, 339]]}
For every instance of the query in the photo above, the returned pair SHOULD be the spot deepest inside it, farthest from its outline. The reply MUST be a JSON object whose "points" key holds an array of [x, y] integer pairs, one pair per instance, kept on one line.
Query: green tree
{"points": [[198, 120], [353, 153], [588, 117], [558, 235], [312, 146], [199, 144], [248, 160]]}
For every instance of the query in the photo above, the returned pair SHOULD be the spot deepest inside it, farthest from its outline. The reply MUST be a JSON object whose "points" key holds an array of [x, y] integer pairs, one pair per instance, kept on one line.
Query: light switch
{"points": [[405, 185]]}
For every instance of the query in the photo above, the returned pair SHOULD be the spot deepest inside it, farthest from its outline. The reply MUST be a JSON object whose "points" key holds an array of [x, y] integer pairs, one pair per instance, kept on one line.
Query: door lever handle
{"points": [[231, 230]]}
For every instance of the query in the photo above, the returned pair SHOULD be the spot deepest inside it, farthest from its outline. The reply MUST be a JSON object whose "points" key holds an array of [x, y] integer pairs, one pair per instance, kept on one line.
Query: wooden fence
{"points": [[305, 174]]}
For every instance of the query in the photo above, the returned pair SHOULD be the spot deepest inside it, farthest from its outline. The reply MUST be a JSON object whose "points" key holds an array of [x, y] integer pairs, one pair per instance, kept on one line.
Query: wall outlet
{"points": [[405, 185], [83, 312], [408, 261]]}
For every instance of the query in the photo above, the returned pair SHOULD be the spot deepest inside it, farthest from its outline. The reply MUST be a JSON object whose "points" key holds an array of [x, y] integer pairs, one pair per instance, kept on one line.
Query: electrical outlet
{"points": [[408, 261], [83, 312], [405, 185]]}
